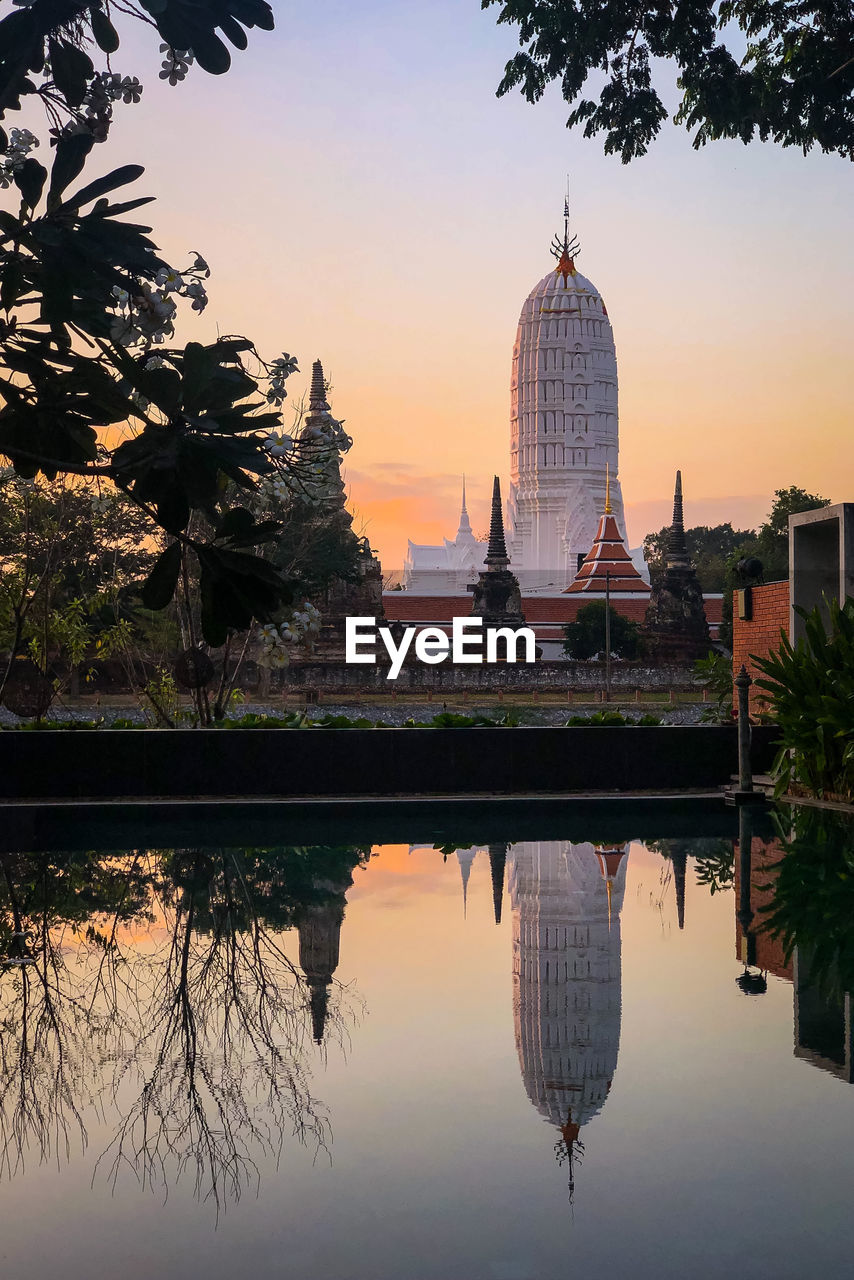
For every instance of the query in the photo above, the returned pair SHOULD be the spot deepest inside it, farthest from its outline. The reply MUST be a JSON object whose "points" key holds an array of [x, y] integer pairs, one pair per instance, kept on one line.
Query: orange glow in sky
{"points": [[363, 197]]}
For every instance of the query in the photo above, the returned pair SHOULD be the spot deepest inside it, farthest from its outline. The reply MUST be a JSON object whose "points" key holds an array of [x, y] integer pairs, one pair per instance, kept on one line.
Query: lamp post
{"points": [[607, 635]]}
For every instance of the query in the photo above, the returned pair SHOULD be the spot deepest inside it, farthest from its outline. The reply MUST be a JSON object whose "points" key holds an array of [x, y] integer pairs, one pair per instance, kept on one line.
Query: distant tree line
{"points": [[716, 551]]}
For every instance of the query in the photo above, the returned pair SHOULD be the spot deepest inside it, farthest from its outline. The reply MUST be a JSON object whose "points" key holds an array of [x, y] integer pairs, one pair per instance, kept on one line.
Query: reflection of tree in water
{"points": [[54, 1026], [713, 865], [167, 968], [813, 906]]}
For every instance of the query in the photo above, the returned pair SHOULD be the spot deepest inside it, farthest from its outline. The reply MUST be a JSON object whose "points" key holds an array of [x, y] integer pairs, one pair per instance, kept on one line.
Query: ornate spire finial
{"points": [[496, 551], [465, 523], [317, 402], [608, 510], [567, 249]]}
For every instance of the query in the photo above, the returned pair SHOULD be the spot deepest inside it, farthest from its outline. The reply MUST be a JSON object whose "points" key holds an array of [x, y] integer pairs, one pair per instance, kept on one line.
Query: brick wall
{"points": [[768, 952], [762, 633]]}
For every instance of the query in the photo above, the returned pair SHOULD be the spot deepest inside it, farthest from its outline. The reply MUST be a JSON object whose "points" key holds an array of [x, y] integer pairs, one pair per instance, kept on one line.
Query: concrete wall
{"points": [[335, 762], [761, 634]]}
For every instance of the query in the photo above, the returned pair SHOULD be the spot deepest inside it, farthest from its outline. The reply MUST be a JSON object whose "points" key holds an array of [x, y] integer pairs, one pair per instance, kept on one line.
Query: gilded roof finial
{"points": [[567, 249], [608, 510]]}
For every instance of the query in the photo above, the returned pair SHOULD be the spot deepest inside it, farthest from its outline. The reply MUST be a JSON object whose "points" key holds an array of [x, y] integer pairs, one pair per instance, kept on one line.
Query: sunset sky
{"points": [[362, 196]]}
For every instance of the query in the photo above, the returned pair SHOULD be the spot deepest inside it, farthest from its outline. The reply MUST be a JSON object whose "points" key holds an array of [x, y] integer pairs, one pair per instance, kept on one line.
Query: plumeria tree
{"points": [[93, 382]]}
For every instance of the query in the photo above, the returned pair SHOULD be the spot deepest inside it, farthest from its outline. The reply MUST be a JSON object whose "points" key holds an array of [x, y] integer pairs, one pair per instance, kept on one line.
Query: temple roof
{"points": [[567, 293], [608, 555]]}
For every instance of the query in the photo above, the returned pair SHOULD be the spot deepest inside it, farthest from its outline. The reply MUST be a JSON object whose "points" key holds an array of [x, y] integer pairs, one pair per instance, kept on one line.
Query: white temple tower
{"points": [[563, 425], [566, 900]]}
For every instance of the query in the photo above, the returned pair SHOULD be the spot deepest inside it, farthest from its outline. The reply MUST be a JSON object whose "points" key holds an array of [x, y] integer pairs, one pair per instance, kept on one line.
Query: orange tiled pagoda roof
{"points": [[608, 555]]}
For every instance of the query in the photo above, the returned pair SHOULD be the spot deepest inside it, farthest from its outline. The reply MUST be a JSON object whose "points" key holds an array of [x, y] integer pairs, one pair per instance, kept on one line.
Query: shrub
{"points": [[812, 702]]}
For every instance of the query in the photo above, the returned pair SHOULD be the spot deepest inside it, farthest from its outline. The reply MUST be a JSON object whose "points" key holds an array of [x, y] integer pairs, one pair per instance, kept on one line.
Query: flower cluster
{"points": [[329, 434], [21, 143], [105, 88], [299, 628], [277, 488], [175, 64], [148, 316], [280, 371]]}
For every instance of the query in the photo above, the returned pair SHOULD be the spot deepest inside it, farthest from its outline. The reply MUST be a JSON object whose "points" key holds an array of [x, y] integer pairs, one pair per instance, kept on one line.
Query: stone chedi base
{"points": [[676, 628]]}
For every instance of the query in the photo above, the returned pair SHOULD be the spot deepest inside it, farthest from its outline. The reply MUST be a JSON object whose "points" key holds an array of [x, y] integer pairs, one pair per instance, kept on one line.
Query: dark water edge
{"points": [[37, 825]]}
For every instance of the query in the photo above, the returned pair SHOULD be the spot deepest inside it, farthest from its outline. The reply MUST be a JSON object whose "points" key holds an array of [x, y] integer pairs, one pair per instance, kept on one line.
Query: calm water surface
{"points": [[508, 1062]]}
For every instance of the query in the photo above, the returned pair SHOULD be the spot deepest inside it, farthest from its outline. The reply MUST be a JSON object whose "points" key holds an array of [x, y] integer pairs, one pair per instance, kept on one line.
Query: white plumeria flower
{"points": [[197, 292], [278, 443], [285, 366], [268, 633], [169, 279], [121, 295], [154, 362]]}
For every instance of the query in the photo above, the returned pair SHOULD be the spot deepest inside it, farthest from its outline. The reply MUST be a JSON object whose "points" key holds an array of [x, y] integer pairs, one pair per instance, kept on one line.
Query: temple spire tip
{"points": [[496, 551]]}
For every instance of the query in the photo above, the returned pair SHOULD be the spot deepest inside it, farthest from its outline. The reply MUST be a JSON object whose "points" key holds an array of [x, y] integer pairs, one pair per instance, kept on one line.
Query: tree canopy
{"points": [[779, 70], [90, 383], [769, 544], [708, 546], [585, 637]]}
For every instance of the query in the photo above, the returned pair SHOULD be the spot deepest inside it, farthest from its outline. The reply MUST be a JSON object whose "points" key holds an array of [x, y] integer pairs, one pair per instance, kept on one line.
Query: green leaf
{"points": [[237, 522], [118, 178], [71, 153], [159, 587], [30, 180], [72, 70], [210, 53], [106, 36]]}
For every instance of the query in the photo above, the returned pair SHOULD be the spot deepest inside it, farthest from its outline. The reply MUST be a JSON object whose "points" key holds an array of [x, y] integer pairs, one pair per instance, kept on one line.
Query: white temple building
{"points": [[566, 900], [446, 569], [564, 434]]}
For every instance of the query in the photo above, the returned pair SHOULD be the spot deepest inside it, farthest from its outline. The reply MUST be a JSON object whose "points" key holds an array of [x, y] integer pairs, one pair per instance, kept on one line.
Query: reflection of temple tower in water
{"points": [[566, 900], [319, 929]]}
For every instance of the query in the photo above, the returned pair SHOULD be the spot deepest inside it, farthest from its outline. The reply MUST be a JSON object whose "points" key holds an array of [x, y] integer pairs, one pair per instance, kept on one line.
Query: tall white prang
{"points": [[563, 425]]}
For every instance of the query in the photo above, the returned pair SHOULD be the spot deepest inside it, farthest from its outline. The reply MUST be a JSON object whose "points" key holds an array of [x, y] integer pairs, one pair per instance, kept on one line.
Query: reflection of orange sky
{"points": [[394, 873]]}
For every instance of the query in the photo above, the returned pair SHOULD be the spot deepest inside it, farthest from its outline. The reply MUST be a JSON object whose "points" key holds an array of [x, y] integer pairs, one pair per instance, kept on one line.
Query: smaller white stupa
{"points": [[446, 569]]}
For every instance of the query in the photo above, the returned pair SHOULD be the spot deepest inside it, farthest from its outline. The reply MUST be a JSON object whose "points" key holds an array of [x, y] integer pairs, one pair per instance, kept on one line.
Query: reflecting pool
{"points": [[511, 1061]]}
